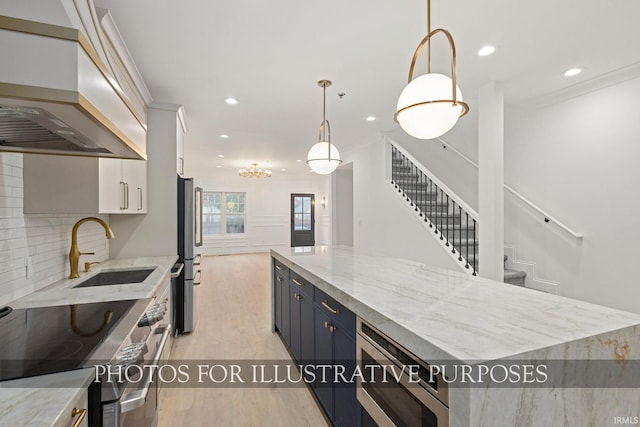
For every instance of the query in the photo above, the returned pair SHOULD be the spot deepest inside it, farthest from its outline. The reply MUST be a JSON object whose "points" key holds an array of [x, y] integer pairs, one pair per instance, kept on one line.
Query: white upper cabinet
{"points": [[64, 184]]}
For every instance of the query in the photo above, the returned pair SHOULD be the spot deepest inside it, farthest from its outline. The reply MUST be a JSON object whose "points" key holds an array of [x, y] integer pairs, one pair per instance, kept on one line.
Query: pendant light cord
{"points": [[428, 32]]}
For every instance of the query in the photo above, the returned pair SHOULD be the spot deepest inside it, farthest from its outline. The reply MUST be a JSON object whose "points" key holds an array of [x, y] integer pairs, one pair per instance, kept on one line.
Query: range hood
{"points": [[58, 93]]}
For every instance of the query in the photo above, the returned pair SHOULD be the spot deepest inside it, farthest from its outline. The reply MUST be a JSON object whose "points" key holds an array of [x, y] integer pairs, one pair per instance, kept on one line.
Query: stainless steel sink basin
{"points": [[116, 277]]}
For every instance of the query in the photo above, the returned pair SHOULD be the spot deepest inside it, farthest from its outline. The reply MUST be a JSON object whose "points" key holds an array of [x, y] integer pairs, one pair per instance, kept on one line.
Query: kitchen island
{"points": [[445, 316]]}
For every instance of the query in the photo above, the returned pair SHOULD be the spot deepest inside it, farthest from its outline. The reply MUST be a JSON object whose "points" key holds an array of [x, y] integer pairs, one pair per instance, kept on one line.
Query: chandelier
{"points": [[323, 158], [255, 172], [431, 104]]}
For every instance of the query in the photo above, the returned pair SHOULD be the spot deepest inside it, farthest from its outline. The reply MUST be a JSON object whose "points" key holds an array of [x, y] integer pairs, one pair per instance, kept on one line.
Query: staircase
{"points": [[453, 222]]}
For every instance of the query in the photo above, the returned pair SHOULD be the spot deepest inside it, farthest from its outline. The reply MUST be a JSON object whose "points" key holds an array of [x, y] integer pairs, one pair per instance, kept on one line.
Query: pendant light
{"points": [[431, 104], [323, 157]]}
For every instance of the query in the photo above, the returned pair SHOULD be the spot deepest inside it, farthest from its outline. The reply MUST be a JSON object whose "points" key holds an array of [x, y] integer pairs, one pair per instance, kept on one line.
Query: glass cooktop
{"points": [[44, 340]]}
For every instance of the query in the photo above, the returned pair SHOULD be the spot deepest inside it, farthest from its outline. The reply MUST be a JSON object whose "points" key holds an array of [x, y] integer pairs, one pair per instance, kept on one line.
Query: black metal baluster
{"points": [[439, 207], [435, 210], [460, 249], [467, 257], [445, 210], [453, 226], [414, 184], [475, 250], [394, 169], [426, 205]]}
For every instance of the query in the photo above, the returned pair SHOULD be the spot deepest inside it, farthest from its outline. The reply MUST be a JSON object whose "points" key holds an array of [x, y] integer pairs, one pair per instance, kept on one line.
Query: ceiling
{"points": [[269, 55]]}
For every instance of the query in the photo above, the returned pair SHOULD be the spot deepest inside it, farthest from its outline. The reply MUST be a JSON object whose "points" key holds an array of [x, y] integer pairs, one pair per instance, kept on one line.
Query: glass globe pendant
{"points": [[431, 104], [323, 158]]}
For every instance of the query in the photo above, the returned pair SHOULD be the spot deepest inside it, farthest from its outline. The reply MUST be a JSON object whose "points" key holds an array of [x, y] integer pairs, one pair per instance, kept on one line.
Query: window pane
{"points": [[306, 221], [297, 204], [306, 204], [211, 202], [235, 224], [211, 224], [235, 203], [297, 222]]}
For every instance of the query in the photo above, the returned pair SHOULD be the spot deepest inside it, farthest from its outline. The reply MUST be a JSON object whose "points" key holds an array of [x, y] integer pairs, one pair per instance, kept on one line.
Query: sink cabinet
{"points": [[318, 331], [66, 184]]}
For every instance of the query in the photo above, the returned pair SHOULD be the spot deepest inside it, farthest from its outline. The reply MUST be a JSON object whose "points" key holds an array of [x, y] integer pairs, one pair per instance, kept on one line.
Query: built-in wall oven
{"points": [[416, 399]]}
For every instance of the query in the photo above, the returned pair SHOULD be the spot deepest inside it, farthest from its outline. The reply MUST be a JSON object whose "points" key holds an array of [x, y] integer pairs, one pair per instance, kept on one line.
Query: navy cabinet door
{"points": [[346, 405], [277, 301], [284, 300], [306, 330], [323, 356], [294, 321]]}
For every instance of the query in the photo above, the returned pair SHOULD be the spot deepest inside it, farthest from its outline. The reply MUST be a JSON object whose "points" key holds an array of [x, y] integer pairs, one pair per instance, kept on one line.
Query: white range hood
{"points": [[67, 83]]}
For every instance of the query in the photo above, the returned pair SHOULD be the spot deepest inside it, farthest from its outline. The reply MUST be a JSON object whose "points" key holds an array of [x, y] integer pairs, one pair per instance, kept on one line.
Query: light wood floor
{"points": [[234, 323]]}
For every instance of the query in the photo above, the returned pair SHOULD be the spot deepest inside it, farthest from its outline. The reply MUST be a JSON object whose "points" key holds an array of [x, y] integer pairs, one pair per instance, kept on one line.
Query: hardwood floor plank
{"points": [[233, 322]]}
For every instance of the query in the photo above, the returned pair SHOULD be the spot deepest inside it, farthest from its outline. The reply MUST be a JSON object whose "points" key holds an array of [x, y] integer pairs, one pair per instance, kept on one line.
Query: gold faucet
{"points": [[74, 253]]}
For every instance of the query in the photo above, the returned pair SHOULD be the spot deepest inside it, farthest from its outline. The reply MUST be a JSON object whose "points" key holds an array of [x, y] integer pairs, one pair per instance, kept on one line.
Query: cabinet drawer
{"points": [[76, 410], [281, 269], [336, 311], [302, 284]]}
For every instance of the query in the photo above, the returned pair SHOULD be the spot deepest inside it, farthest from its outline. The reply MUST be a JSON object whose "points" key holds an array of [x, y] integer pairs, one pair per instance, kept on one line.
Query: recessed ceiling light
{"points": [[572, 72], [218, 166], [221, 155], [298, 160], [486, 50], [283, 170], [371, 119], [224, 135], [231, 101]]}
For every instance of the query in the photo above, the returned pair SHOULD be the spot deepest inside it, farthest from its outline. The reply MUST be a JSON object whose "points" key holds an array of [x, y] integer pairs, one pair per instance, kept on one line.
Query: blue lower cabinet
{"points": [[346, 406], [323, 385], [366, 420], [294, 322], [285, 330], [307, 344]]}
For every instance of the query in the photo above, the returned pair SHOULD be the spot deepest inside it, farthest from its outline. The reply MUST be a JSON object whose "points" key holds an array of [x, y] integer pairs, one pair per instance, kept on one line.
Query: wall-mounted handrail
{"points": [[547, 217]]}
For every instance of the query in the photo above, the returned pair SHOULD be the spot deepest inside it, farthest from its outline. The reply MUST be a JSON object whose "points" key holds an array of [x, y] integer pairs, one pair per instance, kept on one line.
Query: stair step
{"points": [[514, 277]]}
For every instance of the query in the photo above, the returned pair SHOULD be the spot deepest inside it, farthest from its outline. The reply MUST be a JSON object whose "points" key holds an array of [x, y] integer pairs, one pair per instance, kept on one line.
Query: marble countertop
{"points": [[63, 292], [440, 314], [43, 401]]}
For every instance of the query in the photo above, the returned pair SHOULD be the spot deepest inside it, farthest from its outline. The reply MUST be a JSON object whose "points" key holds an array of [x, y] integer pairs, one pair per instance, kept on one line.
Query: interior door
{"points": [[302, 220]]}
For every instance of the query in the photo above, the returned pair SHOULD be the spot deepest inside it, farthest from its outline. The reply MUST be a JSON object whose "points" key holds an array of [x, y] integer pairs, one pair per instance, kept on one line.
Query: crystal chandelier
{"points": [[255, 172]]}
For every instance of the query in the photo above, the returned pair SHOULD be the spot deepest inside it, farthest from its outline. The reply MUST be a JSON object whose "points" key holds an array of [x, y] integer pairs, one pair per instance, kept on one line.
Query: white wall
{"points": [[342, 205], [267, 208], [45, 239], [579, 160], [383, 225]]}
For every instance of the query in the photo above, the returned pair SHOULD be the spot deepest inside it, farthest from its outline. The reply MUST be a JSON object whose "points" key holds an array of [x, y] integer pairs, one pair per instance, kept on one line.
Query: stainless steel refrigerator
{"points": [[189, 237]]}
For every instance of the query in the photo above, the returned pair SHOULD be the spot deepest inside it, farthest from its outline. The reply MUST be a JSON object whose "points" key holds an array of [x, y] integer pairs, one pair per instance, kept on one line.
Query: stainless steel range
{"points": [[113, 337]]}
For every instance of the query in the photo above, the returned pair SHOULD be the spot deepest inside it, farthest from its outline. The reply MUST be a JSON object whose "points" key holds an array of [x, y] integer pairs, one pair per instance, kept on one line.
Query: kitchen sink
{"points": [[116, 277]]}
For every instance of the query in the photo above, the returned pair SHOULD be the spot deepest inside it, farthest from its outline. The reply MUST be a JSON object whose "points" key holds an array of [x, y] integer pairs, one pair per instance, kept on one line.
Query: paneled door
{"points": [[302, 220]]}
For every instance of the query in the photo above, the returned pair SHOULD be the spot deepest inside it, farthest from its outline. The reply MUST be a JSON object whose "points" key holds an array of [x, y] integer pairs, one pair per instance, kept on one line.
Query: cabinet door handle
{"points": [[122, 195], [139, 198], [326, 305], [298, 296], [196, 278], [329, 326], [298, 283], [81, 413], [126, 186], [279, 268], [181, 165]]}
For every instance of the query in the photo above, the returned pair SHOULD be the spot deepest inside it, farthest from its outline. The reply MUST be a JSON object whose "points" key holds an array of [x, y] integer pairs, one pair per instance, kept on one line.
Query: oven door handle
{"points": [[136, 399]]}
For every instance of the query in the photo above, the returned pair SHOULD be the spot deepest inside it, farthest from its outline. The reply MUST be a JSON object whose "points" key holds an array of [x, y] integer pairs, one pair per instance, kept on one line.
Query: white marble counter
{"points": [[591, 352], [63, 292], [43, 401], [441, 314]]}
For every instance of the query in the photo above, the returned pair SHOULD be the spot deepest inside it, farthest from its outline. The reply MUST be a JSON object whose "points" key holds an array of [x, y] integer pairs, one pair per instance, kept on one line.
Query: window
{"points": [[223, 213]]}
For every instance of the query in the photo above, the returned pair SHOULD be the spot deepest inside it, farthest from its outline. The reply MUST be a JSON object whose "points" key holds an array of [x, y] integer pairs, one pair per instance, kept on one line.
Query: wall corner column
{"points": [[491, 181]]}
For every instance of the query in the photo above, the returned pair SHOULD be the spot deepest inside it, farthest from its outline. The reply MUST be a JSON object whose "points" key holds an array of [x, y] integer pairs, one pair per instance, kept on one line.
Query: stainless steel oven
{"points": [[415, 399]]}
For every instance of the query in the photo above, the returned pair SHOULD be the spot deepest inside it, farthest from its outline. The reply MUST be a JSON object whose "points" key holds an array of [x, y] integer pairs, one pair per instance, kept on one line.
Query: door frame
{"points": [[294, 243]]}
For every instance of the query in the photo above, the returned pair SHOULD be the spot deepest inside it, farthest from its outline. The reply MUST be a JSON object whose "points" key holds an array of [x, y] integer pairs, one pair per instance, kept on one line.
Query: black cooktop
{"points": [[44, 340]]}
